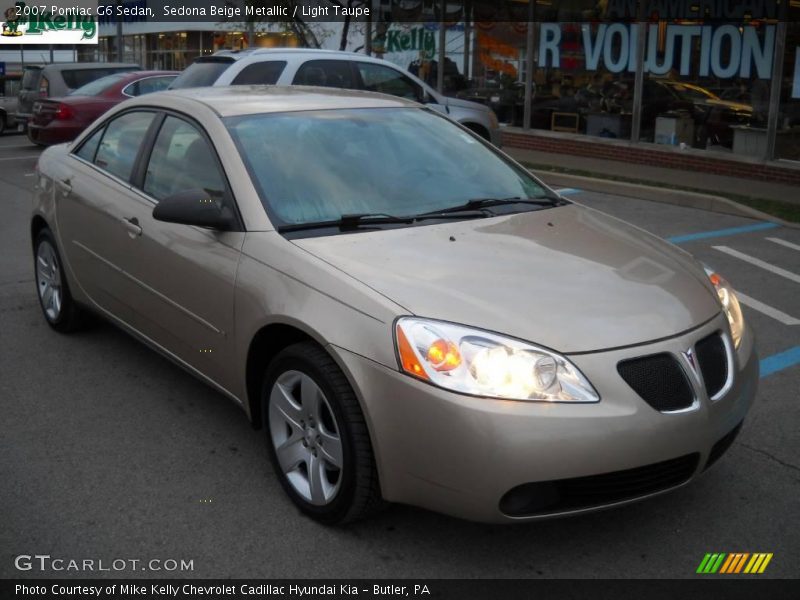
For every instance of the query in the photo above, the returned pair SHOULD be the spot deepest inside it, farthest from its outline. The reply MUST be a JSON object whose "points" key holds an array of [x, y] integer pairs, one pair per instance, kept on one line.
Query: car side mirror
{"points": [[195, 207]]}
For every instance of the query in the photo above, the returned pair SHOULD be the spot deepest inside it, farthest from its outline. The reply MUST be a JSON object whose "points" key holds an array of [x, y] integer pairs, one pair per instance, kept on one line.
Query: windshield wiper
{"points": [[355, 221], [349, 221], [480, 203]]}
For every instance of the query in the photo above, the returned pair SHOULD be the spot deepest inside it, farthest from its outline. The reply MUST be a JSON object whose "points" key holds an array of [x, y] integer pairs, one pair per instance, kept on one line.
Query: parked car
{"points": [[408, 314], [9, 89], [58, 120], [59, 79], [329, 68], [713, 116]]}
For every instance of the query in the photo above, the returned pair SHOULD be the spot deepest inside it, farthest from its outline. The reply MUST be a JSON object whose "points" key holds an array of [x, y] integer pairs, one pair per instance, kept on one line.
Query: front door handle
{"points": [[132, 226], [65, 185]]}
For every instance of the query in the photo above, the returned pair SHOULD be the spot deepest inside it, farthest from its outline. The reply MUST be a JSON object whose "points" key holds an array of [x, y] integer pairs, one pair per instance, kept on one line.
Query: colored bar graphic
{"points": [[728, 563], [733, 563]]}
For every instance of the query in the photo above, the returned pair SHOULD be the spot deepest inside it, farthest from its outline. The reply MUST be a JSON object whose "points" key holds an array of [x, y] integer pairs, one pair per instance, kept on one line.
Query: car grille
{"points": [[722, 445], [713, 361], [659, 380], [564, 495]]}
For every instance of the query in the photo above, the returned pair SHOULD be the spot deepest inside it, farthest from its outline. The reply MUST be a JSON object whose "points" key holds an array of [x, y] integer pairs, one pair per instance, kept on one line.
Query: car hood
{"points": [[461, 103], [568, 278]]}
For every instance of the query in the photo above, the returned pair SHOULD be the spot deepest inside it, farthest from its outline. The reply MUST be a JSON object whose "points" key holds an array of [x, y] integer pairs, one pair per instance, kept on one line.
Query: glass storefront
{"points": [[681, 79]]}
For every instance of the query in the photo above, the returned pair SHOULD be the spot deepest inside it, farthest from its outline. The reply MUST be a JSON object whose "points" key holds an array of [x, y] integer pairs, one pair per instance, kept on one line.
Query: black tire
{"points": [[3, 123], [358, 493], [70, 316]]}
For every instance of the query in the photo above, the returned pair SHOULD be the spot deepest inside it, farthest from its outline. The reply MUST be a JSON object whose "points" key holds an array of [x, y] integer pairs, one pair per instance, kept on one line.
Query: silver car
{"points": [[330, 68], [407, 313]]}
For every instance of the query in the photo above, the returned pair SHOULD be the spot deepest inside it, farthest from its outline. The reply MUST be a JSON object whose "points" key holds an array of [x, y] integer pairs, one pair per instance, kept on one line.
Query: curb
{"points": [[708, 202]]}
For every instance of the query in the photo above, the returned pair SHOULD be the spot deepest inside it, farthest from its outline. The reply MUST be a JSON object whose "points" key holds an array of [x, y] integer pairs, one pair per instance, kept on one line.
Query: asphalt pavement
{"points": [[109, 451]]}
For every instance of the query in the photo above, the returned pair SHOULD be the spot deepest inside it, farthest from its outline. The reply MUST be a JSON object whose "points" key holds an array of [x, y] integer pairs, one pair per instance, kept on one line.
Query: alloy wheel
{"points": [[306, 437], [48, 280]]}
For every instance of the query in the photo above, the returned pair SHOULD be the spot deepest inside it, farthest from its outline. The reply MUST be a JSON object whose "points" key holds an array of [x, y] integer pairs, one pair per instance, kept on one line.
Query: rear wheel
{"points": [[317, 437], [3, 123], [60, 311]]}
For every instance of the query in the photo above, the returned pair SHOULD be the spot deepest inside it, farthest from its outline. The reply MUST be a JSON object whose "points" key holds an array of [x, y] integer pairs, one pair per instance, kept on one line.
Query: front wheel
{"points": [[317, 437], [60, 311]]}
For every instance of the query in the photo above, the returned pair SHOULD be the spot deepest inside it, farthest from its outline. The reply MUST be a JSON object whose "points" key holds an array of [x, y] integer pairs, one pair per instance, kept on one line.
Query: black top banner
{"points": [[221, 11]]}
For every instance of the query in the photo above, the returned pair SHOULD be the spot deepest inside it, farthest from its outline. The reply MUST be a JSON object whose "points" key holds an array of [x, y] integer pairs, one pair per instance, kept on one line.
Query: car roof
{"points": [[228, 101], [84, 66], [246, 52]]}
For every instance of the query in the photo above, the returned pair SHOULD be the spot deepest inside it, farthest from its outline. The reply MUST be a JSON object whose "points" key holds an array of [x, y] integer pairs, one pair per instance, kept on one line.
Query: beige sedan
{"points": [[406, 313]]}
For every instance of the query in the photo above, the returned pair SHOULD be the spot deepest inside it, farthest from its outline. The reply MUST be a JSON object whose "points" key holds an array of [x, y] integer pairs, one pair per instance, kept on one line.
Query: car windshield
{"points": [[319, 165], [98, 86]]}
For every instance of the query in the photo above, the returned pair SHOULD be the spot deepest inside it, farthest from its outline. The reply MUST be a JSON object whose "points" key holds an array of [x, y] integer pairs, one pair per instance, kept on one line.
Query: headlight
{"points": [[471, 361], [730, 305]]}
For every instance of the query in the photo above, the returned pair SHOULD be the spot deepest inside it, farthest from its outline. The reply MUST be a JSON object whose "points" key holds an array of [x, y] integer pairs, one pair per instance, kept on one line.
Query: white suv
{"points": [[329, 68]]}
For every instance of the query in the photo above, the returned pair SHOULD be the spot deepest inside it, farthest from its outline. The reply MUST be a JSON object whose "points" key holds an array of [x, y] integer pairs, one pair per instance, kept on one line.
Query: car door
{"points": [[184, 275], [92, 191]]}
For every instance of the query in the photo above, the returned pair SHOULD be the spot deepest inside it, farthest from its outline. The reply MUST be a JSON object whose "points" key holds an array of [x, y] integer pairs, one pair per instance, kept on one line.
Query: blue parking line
{"points": [[690, 237], [779, 362], [569, 191]]}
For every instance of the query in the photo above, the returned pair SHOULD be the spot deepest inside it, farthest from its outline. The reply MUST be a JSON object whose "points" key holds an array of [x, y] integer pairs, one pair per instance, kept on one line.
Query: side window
{"points": [[260, 73], [182, 160], [326, 73], [89, 148], [121, 143], [148, 85], [378, 78]]}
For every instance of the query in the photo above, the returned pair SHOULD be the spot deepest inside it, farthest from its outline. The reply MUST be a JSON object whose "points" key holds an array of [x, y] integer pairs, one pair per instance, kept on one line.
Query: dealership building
{"points": [[716, 92]]}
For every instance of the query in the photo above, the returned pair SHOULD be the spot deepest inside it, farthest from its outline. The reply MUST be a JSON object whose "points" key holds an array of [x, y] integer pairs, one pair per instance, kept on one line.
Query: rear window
{"points": [[30, 79], [260, 73], [98, 86], [75, 78], [200, 74]]}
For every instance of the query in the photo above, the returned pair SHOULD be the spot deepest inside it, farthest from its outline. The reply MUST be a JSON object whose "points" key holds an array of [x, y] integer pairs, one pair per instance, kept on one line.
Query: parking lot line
{"points": [[702, 235], [784, 243], [776, 314], [759, 263], [779, 362]]}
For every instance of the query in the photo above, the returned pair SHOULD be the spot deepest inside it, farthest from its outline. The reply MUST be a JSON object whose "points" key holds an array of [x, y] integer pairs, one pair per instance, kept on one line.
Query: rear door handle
{"points": [[132, 225], [65, 185]]}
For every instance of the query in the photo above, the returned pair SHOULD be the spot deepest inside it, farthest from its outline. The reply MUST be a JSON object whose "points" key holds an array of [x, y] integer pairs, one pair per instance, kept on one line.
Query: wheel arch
{"points": [[38, 223]]}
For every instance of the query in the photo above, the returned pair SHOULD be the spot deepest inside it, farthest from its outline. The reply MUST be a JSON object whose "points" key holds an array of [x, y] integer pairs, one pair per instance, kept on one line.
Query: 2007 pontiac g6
{"points": [[409, 314]]}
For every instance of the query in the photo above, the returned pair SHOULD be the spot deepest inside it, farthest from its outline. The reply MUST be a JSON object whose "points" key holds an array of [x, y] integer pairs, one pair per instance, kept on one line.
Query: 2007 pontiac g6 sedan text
{"points": [[409, 315]]}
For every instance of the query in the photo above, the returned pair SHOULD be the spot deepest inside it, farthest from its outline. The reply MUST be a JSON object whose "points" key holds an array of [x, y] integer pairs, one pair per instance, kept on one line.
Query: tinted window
{"points": [[149, 85], [75, 78], [377, 78], [318, 165], [266, 73], [89, 147], [182, 160], [325, 73], [200, 74], [121, 143], [98, 86]]}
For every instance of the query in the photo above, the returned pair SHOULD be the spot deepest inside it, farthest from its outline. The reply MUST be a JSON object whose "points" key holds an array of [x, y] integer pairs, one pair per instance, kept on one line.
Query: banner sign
{"points": [[725, 51], [53, 23]]}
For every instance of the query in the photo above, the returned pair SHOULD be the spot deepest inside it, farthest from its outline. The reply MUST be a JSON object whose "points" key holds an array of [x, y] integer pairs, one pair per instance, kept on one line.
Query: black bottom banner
{"points": [[378, 589]]}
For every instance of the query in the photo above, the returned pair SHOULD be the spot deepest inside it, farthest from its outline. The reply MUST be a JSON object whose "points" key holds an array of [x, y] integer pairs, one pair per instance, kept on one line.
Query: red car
{"points": [[58, 120]]}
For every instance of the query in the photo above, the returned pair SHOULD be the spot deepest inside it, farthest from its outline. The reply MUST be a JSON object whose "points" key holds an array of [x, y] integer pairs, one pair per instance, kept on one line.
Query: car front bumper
{"points": [[460, 455]]}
